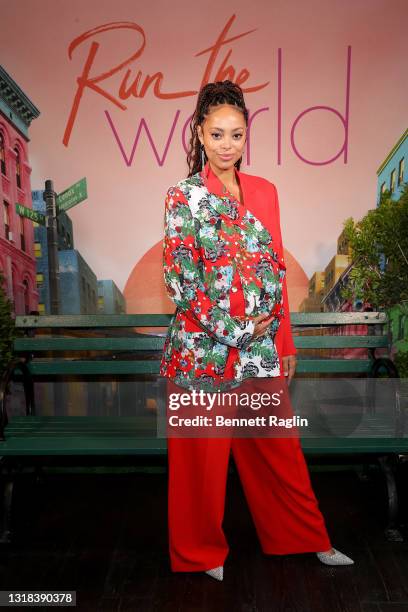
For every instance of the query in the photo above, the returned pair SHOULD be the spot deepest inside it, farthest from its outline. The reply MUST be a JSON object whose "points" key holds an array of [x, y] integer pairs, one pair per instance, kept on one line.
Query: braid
{"points": [[212, 94]]}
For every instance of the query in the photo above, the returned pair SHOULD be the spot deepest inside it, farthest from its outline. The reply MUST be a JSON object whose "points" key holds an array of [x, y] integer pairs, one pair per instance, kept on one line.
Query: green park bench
{"points": [[72, 348]]}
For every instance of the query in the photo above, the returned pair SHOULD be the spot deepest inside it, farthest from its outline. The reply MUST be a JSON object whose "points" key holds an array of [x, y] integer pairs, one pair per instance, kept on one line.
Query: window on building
{"points": [[329, 277], [18, 167], [383, 187], [37, 249], [2, 154], [39, 277], [26, 297], [392, 180], [401, 171], [6, 218], [41, 308], [68, 237], [22, 235]]}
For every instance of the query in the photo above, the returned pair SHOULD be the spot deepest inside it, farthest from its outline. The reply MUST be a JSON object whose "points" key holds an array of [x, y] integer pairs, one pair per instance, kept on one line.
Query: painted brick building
{"points": [[17, 261]]}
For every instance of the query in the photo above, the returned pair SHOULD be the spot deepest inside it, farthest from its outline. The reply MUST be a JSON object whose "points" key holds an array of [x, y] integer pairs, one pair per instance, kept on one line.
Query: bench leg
{"points": [[363, 474], [5, 533], [392, 533]]}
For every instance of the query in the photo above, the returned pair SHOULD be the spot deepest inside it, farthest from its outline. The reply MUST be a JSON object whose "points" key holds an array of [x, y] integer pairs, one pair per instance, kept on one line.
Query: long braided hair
{"points": [[220, 92]]}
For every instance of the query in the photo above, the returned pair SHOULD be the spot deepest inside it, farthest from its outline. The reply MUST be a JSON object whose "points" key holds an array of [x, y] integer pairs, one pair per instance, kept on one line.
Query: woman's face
{"points": [[223, 134]]}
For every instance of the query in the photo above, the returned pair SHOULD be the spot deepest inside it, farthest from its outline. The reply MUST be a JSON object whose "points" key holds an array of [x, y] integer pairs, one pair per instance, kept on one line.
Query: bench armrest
{"points": [[386, 365], [15, 363]]}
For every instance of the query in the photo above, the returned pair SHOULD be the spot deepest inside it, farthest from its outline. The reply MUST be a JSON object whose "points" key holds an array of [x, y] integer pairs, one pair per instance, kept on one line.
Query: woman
{"points": [[224, 269]]}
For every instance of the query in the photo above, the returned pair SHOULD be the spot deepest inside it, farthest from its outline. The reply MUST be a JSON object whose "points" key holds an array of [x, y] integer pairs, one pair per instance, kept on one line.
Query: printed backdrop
{"points": [[116, 83]]}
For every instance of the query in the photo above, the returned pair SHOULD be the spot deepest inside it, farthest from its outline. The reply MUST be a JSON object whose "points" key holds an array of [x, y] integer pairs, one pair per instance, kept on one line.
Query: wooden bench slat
{"points": [[93, 320], [89, 344], [371, 425], [340, 341], [157, 342], [83, 445], [24, 425], [163, 320], [75, 420], [94, 367], [116, 367], [148, 446], [354, 445], [335, 366], [337, 318]]}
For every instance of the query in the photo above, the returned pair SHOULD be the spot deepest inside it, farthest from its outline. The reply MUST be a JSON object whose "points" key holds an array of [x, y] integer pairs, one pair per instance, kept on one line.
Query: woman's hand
{"points": [[262, 322], [289, 366]]}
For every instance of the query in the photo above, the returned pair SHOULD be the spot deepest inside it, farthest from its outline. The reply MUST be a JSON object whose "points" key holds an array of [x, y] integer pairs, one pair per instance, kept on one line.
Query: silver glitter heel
{"points": [[216, 572], [337, 559]]}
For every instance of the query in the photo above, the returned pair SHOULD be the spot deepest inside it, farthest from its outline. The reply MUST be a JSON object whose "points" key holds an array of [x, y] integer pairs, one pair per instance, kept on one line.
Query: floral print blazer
{"points": [[221, 268]]}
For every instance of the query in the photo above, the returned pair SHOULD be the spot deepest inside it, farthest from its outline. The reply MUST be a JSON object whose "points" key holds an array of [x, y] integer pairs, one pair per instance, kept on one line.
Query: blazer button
{"points": [[234, 289]]}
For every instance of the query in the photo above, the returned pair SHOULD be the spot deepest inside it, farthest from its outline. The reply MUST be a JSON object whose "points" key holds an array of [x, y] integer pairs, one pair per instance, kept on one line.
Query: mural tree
{"points": [[379, 251]]}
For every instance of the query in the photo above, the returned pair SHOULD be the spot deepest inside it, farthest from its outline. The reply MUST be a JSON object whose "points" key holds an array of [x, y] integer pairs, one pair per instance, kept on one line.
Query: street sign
{"points": [[23, 211], [72, 196]]}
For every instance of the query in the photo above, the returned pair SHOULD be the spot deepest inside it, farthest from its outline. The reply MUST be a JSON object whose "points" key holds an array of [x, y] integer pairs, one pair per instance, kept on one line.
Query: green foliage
{"points": [[7, 327], [211, 278], [257, 350], [229, 323], [379, 251], [401, 362], [230, 230], [253, 288]]}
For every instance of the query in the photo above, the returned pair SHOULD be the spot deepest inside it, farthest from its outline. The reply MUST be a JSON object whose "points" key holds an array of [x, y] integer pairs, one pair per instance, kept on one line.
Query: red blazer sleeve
{"points": [[288, 345]]}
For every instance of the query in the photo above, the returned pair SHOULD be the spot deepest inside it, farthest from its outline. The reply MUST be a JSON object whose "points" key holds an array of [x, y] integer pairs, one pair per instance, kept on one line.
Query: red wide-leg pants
{"points": [[276, 482]]}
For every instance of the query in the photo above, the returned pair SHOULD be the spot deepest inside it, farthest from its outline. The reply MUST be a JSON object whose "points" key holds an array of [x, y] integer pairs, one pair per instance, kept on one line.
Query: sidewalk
{"points": [[106, 537]]}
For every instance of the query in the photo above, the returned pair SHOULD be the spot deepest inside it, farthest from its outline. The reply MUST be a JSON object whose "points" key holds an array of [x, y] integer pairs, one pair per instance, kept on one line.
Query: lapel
{"points": [[234, 212], [212, 183]]}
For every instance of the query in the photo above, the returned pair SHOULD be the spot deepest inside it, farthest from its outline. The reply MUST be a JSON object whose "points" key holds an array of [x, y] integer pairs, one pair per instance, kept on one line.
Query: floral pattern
{"points": [[213, 247]]}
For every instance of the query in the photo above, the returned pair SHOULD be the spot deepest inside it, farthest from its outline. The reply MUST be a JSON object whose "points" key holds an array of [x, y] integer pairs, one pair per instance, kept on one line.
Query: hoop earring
{"points": [[203, 156]]}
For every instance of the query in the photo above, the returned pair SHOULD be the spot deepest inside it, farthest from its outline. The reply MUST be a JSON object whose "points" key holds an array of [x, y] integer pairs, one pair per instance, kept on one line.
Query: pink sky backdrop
{"points": [[123, 216]]}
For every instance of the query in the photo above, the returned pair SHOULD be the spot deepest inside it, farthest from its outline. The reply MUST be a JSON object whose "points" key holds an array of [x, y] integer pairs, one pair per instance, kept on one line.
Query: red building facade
{"points": [[17, 256]]}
